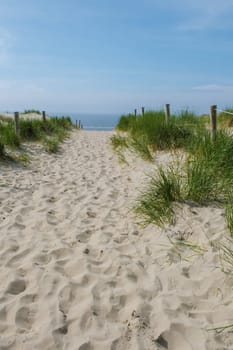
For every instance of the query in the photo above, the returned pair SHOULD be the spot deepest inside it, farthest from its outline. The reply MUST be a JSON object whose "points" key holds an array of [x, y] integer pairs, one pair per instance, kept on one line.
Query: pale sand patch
{"points": [[22, 115], [77, 272]]}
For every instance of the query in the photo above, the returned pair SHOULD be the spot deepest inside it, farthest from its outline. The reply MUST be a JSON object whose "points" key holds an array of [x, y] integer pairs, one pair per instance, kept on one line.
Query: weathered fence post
{"points": [[213, 121], [17, 130], [79, 124], [76, 124], [43, 116], [167, 112], [135, 112], [143, 111]]}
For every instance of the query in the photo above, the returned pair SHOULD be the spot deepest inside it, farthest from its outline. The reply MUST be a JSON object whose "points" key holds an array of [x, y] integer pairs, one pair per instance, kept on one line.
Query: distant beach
{"points": [[94, 121]]}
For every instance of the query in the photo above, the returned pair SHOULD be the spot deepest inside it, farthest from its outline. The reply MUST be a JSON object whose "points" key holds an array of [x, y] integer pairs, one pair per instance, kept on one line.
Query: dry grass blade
{"points": [[181, 245], [221, 329], [226, 255]]}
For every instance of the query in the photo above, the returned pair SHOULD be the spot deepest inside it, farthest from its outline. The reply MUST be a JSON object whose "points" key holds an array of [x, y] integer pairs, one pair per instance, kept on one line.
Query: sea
{"points": [[92, 121]]}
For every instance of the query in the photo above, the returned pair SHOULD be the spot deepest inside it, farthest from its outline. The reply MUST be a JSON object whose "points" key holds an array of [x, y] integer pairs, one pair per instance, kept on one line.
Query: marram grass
{"points": [[151, 132], [156, 203], [51, 145], [50, 132], [206, 175]]}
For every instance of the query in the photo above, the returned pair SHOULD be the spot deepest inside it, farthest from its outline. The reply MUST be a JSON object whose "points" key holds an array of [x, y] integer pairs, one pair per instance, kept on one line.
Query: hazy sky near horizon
{"points": [[113, 56]]}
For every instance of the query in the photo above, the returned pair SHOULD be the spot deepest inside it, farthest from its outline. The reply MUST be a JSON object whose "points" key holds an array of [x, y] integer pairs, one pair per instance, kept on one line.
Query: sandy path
{"points": [[78, 273]]}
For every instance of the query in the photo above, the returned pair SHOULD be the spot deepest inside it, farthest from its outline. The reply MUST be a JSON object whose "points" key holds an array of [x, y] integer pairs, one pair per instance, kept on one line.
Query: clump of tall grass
{"points": [[157, 133], [189, 119], [225, 119], [155, 204], [29, 111], [63, 122], [2, 150], [30, 129], [126, 122], [119, 144], [201, 183], [8, 136], [51, 145], [151, 132], [205, 176], [216, 157], [35, 130], [118, 141], [140, 145]]}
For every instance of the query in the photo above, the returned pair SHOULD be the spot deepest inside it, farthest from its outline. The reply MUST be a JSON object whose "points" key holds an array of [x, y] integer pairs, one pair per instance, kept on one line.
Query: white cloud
{"points": [[213, 87]]}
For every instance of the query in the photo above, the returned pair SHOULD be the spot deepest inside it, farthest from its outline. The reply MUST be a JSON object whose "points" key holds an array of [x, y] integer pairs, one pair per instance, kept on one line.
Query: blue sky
{"points": [[115, 55]]}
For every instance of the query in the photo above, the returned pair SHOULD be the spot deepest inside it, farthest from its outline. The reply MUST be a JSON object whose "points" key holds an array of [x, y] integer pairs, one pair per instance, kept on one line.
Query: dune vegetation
{"points": [[203, 176], [50, 133]]}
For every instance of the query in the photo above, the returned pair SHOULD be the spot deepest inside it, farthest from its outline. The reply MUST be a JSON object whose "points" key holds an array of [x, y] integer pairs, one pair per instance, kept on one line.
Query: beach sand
{"points": [[77, 271]]}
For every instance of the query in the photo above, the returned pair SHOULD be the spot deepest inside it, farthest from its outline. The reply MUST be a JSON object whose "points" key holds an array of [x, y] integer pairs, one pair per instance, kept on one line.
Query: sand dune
{"points": [[22, 115], [78, 273]]}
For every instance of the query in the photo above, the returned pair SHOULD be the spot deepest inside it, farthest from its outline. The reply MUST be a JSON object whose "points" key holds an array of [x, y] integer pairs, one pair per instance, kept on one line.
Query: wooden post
{"points": [[143, 111], [213, 121], [17, 130], [76, 124], [135, 112], [43, 116], [79, 124], [167, 112]]}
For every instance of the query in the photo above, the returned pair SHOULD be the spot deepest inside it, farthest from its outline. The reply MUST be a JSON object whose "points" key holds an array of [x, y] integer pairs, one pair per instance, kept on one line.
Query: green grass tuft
{"points": [[155, 205], [51, 145], [151, 132], [53, 131], [206, 176], [2, 151], [118, 141], [140, 146], [201, 183], [7, 134], [29, 111]]}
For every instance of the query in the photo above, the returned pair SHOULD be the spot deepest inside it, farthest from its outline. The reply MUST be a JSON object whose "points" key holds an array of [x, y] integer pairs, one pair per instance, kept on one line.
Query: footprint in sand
{"points": [[61, 253], [7, 343], [42, 259], [26, 210], [86, 346], [28, 299], [51, 218], [84, 236], [24, 317], [3, 314], [117, 302], [50, 284], [16, 287], [17, 226], [65, 297], [15, 260]]}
